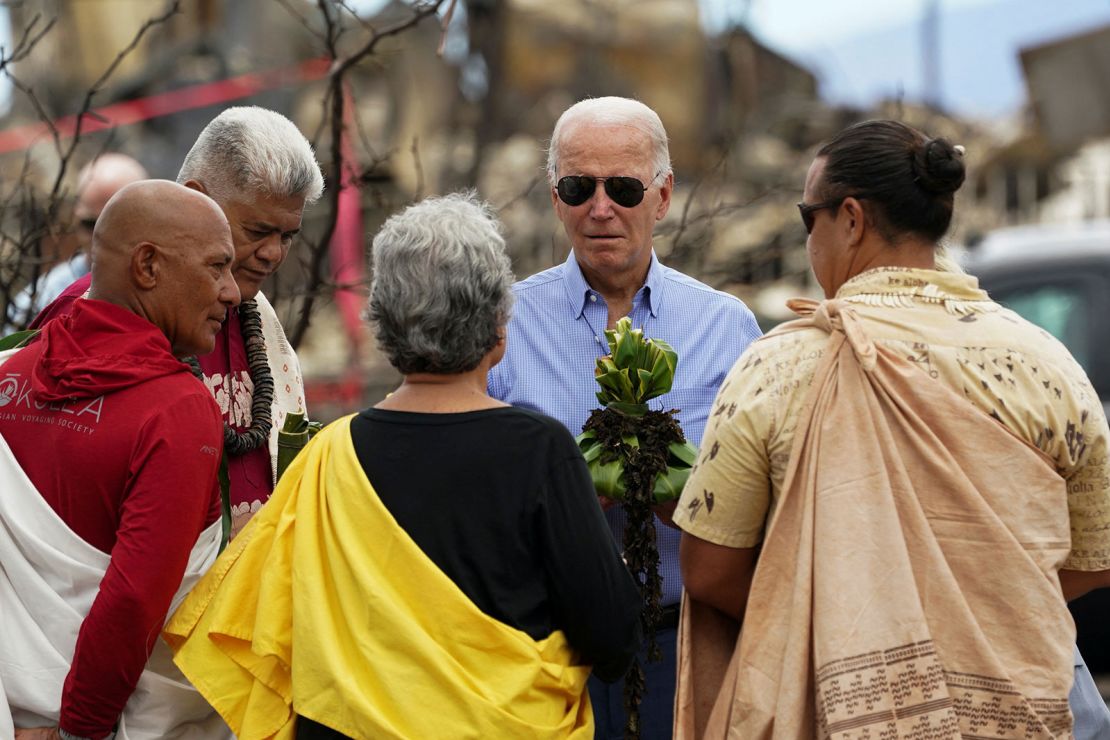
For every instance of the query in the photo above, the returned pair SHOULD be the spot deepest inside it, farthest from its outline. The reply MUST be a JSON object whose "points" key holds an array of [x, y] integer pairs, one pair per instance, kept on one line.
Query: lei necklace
{"points": [[240, 443]]}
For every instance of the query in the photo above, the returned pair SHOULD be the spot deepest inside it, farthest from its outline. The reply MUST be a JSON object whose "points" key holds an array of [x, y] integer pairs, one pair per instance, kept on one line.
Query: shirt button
{"points": [[593, 299]]}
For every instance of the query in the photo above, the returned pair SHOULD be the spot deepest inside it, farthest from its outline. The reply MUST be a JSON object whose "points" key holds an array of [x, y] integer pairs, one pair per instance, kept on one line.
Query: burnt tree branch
{"points": [[33, 218], [341, 64]]}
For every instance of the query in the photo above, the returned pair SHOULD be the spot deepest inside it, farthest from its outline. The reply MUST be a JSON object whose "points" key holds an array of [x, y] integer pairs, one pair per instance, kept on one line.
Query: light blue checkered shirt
{"points": [[556, 335]]}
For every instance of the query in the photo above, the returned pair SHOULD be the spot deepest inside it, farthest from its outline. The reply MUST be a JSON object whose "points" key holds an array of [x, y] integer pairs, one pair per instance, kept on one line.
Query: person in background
{"points": [[97, 182], [109, 449], [898, 492], [261, 171], [454, 576]]}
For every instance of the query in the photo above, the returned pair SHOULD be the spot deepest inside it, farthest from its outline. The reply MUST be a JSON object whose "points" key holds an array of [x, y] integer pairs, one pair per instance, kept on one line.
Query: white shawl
{"points": [[48, 579], [286, 371]]}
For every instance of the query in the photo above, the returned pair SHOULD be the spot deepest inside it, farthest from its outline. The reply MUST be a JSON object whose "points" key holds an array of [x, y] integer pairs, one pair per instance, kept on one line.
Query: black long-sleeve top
{"points": [[502, 502]]}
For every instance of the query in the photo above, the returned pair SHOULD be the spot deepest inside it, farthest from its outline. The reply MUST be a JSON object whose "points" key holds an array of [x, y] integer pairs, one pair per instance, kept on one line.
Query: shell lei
{"points": [[262, 398], [928, 294]]}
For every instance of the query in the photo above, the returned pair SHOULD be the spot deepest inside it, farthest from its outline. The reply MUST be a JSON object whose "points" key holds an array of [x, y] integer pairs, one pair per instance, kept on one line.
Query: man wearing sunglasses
{"points": [[97, 182], [611, 182]]}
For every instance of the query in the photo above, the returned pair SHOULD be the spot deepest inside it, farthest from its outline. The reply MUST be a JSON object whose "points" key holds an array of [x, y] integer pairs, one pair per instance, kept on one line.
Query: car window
{"points": [[1059, 309]]}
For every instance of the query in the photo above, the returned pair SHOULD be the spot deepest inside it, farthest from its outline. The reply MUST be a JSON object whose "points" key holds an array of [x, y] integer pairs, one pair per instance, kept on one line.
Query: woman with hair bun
{"points": [[897, 491]]}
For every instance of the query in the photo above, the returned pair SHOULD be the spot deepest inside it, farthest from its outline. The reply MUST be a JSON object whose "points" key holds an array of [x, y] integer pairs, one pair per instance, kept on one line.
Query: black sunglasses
{"points": [[87, 223], [807, 210], [626, 192]]}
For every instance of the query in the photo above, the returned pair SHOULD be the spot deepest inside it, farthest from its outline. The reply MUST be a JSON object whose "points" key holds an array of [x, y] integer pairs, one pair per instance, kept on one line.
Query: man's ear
{"points": [[665, 191], [146, 265], [196, 185], [855, 221]]}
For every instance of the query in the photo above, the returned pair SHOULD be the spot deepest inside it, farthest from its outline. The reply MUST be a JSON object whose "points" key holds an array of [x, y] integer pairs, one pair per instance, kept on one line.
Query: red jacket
{"points": [[226, 366], [62, 305], [124, 444]]}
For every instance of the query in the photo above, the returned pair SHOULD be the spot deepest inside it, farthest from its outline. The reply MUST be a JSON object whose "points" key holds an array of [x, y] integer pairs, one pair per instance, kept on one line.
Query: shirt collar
{"points": [[578, 290], [906, 281]]}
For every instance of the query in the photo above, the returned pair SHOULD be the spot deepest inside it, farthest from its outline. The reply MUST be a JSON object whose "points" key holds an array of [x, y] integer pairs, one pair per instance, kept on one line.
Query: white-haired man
{"points": [[262, 172], [611, 182], [97, 182]]}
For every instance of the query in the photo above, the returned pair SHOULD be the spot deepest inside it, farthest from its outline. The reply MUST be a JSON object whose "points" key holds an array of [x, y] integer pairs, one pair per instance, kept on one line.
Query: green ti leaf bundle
{"points": [[292, 438], [636, 370]]}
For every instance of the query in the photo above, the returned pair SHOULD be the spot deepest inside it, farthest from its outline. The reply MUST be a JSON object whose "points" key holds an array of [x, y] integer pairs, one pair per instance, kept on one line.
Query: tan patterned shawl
{"points": [[906, 588]]}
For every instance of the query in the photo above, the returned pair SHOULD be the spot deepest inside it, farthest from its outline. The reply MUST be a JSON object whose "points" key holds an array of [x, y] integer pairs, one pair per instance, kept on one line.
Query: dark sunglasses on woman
{"points": [[808, 209], [626, 192]]}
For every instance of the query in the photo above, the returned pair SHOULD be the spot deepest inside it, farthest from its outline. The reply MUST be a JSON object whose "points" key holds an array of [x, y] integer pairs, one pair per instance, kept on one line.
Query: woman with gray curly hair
{"points": [[452, 573]]}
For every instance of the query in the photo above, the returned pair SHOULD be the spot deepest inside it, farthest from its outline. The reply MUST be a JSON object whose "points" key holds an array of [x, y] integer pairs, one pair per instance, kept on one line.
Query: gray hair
{"points": [[442, 285], [612, 111], [249, 151]]}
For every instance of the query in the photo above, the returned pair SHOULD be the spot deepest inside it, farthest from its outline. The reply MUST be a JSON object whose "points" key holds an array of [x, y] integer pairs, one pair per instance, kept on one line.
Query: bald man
{"points": [[109, 450], [97, 182]]}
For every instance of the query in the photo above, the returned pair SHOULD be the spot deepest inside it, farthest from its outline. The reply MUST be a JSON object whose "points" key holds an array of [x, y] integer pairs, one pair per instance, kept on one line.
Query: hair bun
{"points": [[939, 167]]}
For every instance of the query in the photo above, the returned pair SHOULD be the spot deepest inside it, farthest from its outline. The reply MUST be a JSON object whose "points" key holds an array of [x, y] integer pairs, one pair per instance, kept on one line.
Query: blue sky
{"points": [[801, 24], [864, 50]]}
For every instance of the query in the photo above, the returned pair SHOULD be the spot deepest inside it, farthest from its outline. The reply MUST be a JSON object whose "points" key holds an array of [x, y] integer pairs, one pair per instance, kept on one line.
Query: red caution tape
{"points": [[167, 103]]}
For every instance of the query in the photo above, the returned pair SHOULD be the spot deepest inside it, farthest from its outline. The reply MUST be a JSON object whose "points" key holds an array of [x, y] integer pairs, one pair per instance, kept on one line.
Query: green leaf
{"points": [[683, 452], [606, 365], [224, 479], [636, 370], [669, 484], [18, 339], [607, 478], [624, 352], [668, 353], [648, 364], [663, 362], [590, 447], [610, 380], [631, 409], [658, 378], [611, 334], [626, 394]]}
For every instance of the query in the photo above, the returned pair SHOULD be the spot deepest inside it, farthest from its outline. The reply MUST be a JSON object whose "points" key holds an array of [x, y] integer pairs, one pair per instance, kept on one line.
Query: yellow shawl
{"points": [[907, 586], [324, 606]]}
